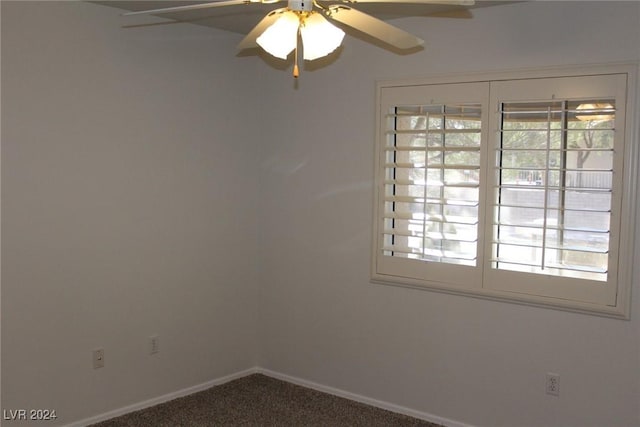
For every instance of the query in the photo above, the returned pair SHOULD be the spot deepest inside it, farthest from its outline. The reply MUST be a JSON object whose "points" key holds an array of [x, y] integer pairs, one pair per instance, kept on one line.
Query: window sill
{"points": [[615, 312]]}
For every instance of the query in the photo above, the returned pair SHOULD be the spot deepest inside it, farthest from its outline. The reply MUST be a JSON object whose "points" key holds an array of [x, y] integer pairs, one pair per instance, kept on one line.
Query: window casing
{"points": [[509, 188]]}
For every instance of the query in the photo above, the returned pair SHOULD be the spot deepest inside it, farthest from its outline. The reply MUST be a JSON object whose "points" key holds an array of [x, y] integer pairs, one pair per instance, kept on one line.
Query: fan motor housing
{"points": [[301, 5]]}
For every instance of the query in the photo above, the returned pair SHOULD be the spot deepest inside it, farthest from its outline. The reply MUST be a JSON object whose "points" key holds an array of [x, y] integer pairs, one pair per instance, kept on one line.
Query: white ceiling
{"points": [[242, 18]]}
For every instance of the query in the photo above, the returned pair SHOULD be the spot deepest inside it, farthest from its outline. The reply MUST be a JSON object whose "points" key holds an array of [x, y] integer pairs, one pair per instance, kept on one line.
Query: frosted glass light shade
{"points": [[319, 37], [281, 37]]}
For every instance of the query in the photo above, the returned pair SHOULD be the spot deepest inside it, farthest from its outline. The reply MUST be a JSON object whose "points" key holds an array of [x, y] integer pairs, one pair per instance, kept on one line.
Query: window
{"points": [[508, 188], [432, 185]]}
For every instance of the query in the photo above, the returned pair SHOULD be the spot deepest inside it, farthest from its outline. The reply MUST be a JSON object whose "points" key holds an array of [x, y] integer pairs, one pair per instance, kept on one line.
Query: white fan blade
{"points": [[374, 27], [250, 40], [449, 2], [188, 7]]}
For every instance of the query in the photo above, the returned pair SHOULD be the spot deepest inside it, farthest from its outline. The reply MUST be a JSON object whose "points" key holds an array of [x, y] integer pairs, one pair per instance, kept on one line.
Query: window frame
{"points": [[487, 283]]}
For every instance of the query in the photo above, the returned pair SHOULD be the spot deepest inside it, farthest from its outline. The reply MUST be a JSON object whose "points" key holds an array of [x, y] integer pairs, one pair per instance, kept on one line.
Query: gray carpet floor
{"points": [[258, 400]]}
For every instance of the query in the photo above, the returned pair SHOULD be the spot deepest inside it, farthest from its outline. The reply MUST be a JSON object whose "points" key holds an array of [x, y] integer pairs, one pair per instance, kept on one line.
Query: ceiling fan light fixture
{"points": [[281, 37], [277, 32], [319, 37]]}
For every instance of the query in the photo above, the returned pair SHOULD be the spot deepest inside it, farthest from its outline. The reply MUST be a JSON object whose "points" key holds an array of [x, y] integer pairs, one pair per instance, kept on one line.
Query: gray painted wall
{"points": [[129, 194]]}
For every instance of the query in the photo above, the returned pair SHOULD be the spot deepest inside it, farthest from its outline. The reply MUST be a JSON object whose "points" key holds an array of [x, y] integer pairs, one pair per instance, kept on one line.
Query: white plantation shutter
{"points": [[432, 186], [554, 189], [557, 187], [429, 191]]}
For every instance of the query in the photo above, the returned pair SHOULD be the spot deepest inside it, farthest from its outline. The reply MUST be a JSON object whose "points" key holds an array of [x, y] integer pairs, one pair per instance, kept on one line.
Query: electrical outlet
{"points": [[98, 358], [553, 384], [154, 344]]}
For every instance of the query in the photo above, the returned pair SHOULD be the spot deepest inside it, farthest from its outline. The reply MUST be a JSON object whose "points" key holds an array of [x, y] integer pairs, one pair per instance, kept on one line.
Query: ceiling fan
{"points": [[278, 33]]}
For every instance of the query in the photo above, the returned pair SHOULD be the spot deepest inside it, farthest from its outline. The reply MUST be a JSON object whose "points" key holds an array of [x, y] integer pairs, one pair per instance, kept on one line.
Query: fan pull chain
{"points": [[296, 72]]}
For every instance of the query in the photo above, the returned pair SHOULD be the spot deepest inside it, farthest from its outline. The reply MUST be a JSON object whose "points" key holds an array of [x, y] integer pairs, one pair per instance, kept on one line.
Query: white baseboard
{"points": [[277, 375], [363, 399], [161, 399]]}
